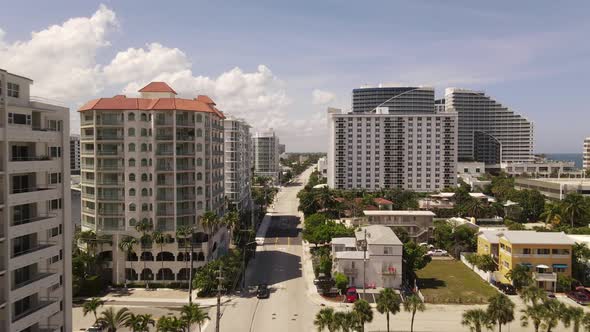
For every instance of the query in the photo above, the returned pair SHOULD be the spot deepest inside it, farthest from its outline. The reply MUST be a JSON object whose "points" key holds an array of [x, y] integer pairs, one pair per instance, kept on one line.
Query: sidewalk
{"points": [[141, 296]]}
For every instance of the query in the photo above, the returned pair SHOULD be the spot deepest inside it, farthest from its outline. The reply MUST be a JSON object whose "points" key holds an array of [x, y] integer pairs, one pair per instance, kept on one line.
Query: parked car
{"points": [[262, 292], [579, 297], [437, 252], [352, 295], [507, 289], [321, 278], [96, 328], [550, 294]]}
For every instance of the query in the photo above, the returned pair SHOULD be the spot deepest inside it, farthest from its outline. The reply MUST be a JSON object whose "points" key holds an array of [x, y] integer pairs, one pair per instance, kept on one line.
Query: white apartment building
{"points": [[265, 146], [35, 226], [404, 145], [155, 159], [586, 154], [238, 163], [75, 154], [488, 131], [380, 266], [322, 166]]}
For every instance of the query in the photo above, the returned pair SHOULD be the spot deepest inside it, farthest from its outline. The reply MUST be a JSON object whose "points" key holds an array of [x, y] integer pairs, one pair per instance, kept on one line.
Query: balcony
{"points": [[109, 137], [104, 212], [545, 276], [164, 137], [185, 211], [40, 311], [41, 251], [164, 213], [108, 153], [31, 194], [25, 226], [164, 153], [107, 168], [349, 270], [164, 167], [106, 182]]}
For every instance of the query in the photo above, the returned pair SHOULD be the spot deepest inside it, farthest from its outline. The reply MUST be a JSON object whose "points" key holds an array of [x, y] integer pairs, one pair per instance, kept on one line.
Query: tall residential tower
{"points": [[155, 160], [238, 163], [35, 225], [266, 154]]}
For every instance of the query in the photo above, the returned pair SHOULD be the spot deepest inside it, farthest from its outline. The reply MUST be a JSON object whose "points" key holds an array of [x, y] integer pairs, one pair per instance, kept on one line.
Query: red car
{"points": [[351, 295]]}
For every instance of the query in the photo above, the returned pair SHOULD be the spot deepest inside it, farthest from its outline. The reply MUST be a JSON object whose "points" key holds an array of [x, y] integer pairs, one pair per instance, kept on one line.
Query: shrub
{"points": [[341, 281]]}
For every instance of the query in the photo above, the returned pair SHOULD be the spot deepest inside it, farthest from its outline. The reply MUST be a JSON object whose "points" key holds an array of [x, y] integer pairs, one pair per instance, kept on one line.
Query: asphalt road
{"points": [[278, 264]]}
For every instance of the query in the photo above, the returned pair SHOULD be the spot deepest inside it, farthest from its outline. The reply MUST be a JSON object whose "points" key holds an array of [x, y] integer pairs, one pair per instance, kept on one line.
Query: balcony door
{"points": [[21, 183], [20, 152]]}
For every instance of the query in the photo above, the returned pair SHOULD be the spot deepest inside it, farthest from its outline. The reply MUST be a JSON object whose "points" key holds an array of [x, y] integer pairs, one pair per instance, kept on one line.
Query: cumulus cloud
{"points": [[61, 59], [320, 97]]}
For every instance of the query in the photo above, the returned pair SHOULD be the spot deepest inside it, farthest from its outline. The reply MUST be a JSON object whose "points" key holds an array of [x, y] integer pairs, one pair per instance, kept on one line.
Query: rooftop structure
{"points": [[555, 188]]}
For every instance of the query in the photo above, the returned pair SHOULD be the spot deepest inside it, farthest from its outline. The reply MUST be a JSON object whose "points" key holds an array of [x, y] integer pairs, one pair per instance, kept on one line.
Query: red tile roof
{"points": [[382, 201], [157, 87], [205, 99]]}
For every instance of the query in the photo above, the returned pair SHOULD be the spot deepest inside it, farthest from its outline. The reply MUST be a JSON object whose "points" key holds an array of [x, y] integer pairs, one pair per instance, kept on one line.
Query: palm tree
{"points": [[574, 316], [533, 313], [114, 319], [574, 207], [191, 314], [325, 319], [363, 312], [91, 306], [520, 276], [232, 221], [126, 245], [159, 238], [474, 207], [586, 322], [500, 310], [533, 294], [551, 214], [140, 323], [554, 312], [388, 302], [144, 227], [210, 222], [184, 232], [476, 319], [90, 240], [412, 304], [170, 324], [345, 321]]}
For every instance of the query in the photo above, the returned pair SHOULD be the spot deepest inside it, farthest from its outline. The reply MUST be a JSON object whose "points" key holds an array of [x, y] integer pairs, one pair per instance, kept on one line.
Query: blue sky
{"points": [[533, 56]]}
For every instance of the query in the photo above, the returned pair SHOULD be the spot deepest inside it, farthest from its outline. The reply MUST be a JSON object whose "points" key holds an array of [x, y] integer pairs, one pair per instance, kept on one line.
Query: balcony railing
{"points": [[185, 138], [164, 153], [109, 137], [185, 211], [164, 197], [163, 213], [545, 276], [29, 158], [33, 219], [165, 182], [110, 197], [108, 152], [166, 167], [111, 212], [30, 189], [36, 277], [43, 303], [109, 168], [39, 246], [110, 182], [164, 137]]}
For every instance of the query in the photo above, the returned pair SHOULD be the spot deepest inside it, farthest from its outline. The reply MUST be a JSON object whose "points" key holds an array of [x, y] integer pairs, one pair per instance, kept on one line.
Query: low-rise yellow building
{"points": [[546, 254]]}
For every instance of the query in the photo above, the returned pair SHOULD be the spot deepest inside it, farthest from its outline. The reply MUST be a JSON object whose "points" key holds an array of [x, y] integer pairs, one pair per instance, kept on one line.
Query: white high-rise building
{"points": [[75, 154], [586, 155], [405, 144], [266, 154], [35, 225], [238, 163], [157, 159], [488, 131]]}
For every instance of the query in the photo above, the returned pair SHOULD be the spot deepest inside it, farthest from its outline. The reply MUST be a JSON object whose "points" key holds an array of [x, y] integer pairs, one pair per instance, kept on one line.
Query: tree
{"points": [[91, 306], [140, 323], [170, 324], [533, 294], [574, 207], [363, 313], [388, 302], [210, 222], [341, 281], [126, 244], [573, 316], [412, 304], [114, 319], [474, 208], [533, 313], [193, 314], [145, 227], [531, 202], [232, 221], [476, 319], [520, 276], [551, 214], [325, 319], [500, 310], [346, 321], [486, 263], [160, 239], [580, 255], [415, 258], [553, 312]]}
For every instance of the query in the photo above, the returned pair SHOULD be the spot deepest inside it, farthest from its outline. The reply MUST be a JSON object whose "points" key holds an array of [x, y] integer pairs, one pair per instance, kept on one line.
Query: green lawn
{"points": [[443, 281]]}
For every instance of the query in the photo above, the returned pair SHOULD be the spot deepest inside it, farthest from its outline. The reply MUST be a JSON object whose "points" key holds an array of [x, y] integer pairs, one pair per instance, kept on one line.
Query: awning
{"points": [[526, 264], [560, 266], [542, 266]]}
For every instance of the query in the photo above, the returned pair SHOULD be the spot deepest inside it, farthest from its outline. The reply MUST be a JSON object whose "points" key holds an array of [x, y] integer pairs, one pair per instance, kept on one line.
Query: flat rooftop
{"points": [[398, 213]]}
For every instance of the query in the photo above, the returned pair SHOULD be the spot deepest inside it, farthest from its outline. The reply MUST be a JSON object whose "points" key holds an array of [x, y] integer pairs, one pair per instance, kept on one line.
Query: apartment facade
{"points": [[238, 163], [75, 154], [586, 154], [418, 224], [403, 145], [265, 146], [157, 159], [35, 225], [383, 265], [546, 254], [488, 131]]}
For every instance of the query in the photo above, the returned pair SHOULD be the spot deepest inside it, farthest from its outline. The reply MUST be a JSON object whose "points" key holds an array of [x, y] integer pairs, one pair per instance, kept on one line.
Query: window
{"points": [[387, 250], [13, 90], [55, 204], [131, 132], [132, 222], [144, 207], [199, 176], [143, 147], [16, 118], [54, 178], [199, 190], [131, 147], [199, 147], [131, 177], [144, 162], [143, 117], [199, 162], [144, 132], [132, 207], [144, 192], [199, 118], [131, 117], [144, 177], [543, 251], [131, 192], [55, 152], [199, 133], [131, 162]]}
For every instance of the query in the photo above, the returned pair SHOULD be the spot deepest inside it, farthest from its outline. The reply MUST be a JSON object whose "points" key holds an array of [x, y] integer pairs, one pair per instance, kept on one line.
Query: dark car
{"points": [[507, 289], [579, 297], [262, 292]]}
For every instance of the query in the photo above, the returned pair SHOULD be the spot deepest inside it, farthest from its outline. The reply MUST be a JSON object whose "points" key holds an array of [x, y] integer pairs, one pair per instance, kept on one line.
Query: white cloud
{"points": [[320, 97], [61, 59]]}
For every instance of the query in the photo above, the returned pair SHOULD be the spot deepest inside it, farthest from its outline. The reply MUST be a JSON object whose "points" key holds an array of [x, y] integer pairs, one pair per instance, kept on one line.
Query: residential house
{"points": [[418, 224]]}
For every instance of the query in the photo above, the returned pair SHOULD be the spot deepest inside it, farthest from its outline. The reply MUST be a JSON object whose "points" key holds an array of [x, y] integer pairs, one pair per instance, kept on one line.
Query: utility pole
{"points": [[218, 316], [365, 263]]}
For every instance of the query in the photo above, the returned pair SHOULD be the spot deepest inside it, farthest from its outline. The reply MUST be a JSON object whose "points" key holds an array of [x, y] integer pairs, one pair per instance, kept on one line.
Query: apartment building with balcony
{"points": [[35, 226], [75, 154], [379, 266], [417, 224], [546, 254], [586, 154], [156, 159], [265, 146], [489, 131], [238, 163], [393, 141]]}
